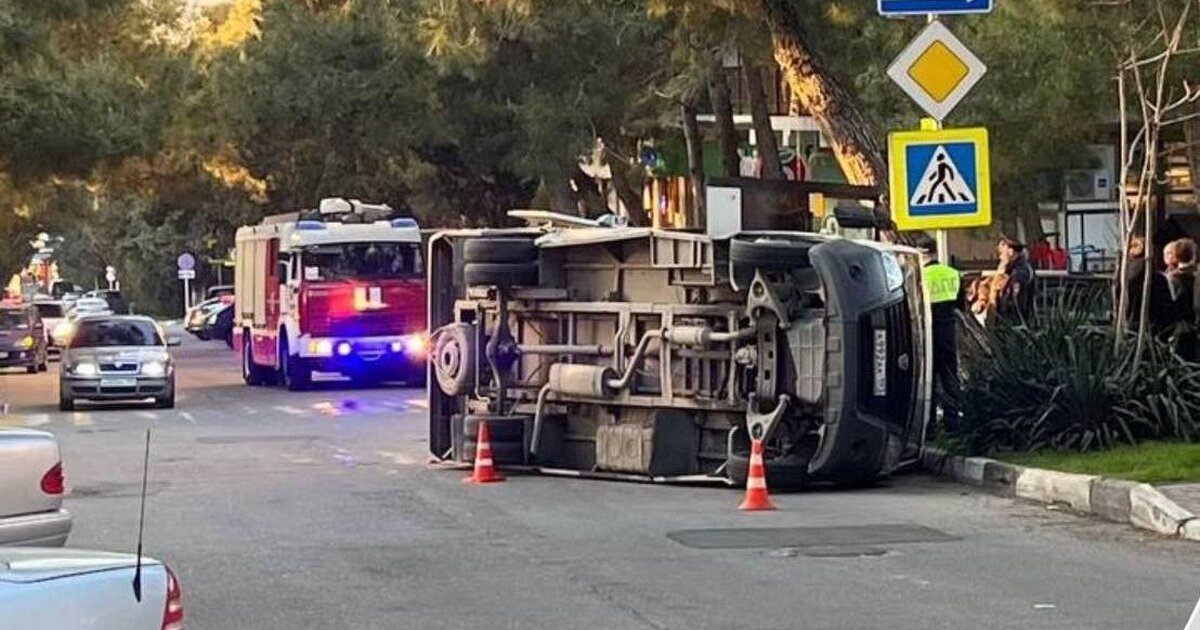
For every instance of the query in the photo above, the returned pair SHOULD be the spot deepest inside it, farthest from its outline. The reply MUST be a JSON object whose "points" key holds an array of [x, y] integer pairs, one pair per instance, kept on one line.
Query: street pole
{"points": [[187, 297], [940, 236]]}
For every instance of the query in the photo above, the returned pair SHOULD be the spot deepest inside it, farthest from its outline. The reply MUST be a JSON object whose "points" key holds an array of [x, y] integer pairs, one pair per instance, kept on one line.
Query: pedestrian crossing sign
{"points": [[940, 178]]}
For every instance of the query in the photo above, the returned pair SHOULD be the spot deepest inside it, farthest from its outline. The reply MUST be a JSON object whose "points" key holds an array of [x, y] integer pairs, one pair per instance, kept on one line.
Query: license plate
{"points": [[3, 355], [880, 363], [118, 382]]}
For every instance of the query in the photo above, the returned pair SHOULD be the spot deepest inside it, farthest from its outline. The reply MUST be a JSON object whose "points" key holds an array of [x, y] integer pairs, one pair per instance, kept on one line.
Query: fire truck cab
{"points": [[340, 289]]}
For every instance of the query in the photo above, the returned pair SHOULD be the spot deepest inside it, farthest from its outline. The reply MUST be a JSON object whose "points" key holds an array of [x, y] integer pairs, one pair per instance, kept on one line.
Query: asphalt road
{"points": [[319, 510]]}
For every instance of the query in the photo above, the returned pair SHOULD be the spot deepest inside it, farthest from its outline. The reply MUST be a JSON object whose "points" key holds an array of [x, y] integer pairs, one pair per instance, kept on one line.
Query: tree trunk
{"points": [[695, 154], [835, 109], [768, 148], [727, 137], [626, 186]]}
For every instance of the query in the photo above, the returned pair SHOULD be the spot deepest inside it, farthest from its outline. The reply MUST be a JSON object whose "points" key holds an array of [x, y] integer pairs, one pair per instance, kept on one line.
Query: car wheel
{"points": [[31, 368], [297, 376], [251, 373], [500, 250], [507, 434], [454, 359], [502, 275], [790, 471], [65, 402], [415, 376]]}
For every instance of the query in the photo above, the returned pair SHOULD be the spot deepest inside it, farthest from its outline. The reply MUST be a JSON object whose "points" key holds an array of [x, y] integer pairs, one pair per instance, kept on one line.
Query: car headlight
{"points": [[320, 347], [893, 275], [154, 369], [85, 369], [25, 342], [62, 331]]}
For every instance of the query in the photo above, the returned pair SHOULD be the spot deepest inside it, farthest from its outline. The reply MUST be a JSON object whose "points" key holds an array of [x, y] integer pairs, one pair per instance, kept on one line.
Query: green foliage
{"points": [[1060, 382]]}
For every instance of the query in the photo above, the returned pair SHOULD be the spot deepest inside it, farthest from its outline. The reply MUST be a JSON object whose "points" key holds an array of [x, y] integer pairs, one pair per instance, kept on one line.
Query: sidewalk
{"points": [[1171, 509], [1185, 495]]}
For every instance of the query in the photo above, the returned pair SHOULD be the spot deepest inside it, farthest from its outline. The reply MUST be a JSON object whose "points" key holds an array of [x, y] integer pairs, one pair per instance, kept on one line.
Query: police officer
{"points": [[942, 284]]}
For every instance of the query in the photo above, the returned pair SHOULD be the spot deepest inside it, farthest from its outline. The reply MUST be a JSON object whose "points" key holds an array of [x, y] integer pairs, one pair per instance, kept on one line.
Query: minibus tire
{"points": [[790, 471], [500, 250], [501, 275]]}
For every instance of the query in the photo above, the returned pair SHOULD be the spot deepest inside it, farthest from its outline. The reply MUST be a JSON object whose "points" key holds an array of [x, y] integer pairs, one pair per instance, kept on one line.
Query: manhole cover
{"points": [[859, 536], [254, 439]]}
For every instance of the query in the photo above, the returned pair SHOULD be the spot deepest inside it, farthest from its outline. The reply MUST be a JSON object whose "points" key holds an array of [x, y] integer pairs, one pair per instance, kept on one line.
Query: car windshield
{"points": [[115, 332], [10, 319], [49, 310], [362, 260]]}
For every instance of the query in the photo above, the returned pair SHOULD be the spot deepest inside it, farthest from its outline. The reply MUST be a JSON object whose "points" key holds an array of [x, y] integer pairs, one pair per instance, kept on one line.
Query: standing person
{"points": [[1015, 302], [1180, 257], [942, 284], [1134, 284]]}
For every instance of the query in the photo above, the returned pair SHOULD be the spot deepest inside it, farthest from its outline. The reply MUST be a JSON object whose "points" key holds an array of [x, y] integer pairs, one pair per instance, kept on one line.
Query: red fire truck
{"points": [[340, 289]]}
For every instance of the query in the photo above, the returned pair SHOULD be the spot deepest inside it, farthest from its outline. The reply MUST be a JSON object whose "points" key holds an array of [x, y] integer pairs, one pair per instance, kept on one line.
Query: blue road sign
{"points": [[934, 7], [940, 179], [186, 262]]}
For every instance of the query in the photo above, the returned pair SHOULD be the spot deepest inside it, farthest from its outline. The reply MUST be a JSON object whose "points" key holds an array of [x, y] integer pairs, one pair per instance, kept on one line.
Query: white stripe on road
{"points": [[149, 415], [288, 409], [419, 403], [187, 416], [37, 419], [81, 419]]}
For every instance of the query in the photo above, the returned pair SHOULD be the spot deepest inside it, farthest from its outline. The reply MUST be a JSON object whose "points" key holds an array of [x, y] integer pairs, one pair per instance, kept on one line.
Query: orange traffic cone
{"points": [[485, 471], [756, 482]]}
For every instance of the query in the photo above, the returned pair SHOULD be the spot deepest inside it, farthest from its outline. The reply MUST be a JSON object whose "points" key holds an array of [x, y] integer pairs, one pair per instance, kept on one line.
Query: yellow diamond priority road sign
{"points": [[936, 70]]}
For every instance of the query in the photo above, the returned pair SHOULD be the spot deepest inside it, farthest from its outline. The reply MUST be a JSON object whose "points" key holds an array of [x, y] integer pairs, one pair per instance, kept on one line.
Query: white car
{"points": [[31, 490], [60, 335], [53, 314], [74, 589]]}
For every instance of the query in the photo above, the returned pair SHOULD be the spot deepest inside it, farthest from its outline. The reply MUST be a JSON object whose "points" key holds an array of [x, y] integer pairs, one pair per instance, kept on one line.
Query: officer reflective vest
{"points": [[941, 282]]}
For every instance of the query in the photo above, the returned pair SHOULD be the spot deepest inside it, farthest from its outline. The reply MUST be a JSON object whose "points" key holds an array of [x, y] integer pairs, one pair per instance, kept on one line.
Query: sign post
{"points": [[902, 8], [940, 181], [186, 264]]}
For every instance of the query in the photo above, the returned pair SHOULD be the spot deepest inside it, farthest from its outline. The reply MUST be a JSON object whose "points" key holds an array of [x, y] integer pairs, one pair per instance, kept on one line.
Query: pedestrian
{"points": [[1134, 285], [1015, 300], [942, 286], [1180, 258]]}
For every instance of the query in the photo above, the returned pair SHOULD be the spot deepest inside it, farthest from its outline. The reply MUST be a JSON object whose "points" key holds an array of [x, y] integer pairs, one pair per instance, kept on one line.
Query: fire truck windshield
{"points": [[362, 260]]}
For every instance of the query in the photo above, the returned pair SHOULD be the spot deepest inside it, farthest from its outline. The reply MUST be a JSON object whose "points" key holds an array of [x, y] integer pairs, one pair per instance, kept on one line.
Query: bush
{"points": [[1059, 381]]}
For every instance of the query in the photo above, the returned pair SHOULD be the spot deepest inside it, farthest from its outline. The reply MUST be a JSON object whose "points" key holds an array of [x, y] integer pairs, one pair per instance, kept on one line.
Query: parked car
{"points": [[60, 289], [22, 338], [218, 291], [115, 299], [53, 314], [31, 491], [212, 319], [117, 357], [84, 307], [73, 589]]}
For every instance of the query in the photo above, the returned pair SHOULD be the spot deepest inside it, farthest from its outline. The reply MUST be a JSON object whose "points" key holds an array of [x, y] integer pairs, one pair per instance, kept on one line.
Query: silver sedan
{"points": [[117, 358], [31, 490]]}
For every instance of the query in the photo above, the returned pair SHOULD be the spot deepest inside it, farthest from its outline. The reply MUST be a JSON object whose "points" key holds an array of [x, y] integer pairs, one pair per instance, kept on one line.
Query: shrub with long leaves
{"points": [[1060, 381]]}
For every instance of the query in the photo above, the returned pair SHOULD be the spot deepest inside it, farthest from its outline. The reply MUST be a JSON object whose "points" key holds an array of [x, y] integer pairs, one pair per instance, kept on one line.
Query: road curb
{"points": [[1137, 504]]}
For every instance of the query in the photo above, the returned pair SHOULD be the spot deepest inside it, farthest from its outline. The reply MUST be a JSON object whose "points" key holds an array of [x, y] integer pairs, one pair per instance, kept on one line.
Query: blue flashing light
{"points": [[310, 225], [343, 349], [404, 222]]}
